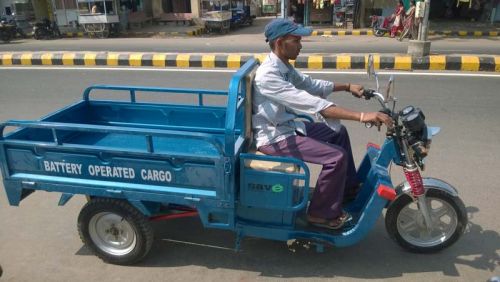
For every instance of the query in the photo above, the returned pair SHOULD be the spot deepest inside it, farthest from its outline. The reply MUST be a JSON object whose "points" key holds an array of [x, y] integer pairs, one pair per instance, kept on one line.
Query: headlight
{"points": [[413, 119]]}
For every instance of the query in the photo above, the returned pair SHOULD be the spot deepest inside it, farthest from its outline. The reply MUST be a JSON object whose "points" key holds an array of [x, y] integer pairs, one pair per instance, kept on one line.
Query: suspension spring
{"points": [[413, 177]]}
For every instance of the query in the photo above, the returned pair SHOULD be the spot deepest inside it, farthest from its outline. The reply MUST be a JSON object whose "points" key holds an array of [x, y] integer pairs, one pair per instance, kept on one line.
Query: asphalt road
{"points": [[39, 240], [251, 40]]}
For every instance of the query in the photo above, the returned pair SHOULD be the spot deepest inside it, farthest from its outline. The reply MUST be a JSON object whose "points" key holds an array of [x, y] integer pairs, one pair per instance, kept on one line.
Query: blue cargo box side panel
{"points": [[203, 174]]}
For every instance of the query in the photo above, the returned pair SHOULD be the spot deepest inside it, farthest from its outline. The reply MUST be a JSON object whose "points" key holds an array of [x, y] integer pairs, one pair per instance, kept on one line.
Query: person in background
{"points": [[395, 18], [411, 21], [95, 9]]}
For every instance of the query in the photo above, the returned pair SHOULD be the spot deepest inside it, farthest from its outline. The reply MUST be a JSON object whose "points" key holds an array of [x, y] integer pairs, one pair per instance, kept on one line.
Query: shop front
{"points": [[342, 13]]}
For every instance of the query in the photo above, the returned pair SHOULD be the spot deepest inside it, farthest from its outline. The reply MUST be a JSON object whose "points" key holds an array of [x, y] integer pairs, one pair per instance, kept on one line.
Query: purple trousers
{"points": [[331, 149]]}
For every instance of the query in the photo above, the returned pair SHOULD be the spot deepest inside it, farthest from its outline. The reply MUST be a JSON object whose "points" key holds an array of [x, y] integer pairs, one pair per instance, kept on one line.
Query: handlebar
{"points": [[370, 93]]}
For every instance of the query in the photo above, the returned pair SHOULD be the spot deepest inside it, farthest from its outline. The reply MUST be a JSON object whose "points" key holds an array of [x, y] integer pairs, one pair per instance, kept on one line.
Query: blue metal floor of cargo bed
{"points": [[170, 145]]}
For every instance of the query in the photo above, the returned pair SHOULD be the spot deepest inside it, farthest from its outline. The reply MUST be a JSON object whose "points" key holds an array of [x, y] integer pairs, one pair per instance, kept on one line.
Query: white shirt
{"points": [[282, 92]]}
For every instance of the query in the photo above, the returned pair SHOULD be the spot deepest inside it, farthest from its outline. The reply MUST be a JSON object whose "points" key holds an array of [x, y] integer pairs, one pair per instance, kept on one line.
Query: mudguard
{"points": [[429, 182]]}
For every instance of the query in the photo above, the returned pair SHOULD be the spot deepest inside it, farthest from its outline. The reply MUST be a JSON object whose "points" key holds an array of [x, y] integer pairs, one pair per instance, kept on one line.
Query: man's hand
{"points": [[356, 90], [377, 118]]}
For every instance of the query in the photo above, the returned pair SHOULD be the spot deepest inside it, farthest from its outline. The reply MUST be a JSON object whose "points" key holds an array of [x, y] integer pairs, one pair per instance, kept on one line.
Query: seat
{"points": [[259, 164], [270, 165]]}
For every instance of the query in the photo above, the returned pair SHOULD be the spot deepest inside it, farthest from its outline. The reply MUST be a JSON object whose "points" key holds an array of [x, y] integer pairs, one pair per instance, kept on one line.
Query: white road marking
{"points": [[355, 72], [198, 244]]}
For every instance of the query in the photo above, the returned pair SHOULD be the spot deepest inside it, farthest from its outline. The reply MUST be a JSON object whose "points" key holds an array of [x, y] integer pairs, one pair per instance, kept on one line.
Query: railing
{"points": [[235, 103], [147, 133], [133, 89]]}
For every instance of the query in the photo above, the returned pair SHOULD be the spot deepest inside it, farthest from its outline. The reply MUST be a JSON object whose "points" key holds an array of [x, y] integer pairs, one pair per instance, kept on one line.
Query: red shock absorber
{"points": [[413, 177]]}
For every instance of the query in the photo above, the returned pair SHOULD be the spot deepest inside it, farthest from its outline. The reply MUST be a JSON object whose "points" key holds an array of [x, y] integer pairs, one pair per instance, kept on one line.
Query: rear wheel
{"points": [[5, 36], [115, 231], [405, 224]]}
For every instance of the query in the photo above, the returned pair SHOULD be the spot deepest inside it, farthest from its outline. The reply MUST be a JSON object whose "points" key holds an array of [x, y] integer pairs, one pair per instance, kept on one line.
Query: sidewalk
{"points": [[437, 27], [451, 28], [150, 30], [337, 61]]}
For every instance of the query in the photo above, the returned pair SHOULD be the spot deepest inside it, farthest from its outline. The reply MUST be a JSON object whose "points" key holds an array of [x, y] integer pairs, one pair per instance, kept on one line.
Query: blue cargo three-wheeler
{"points": [[140, 161]]}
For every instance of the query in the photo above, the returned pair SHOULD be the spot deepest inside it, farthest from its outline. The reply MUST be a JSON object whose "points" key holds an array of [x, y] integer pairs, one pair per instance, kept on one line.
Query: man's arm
{"points": [[355, 89], [337, 112]]}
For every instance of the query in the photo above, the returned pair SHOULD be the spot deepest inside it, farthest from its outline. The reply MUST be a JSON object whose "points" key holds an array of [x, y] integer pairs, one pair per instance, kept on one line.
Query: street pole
{"points": [[284, 9], [425, 22], [421, 46]]}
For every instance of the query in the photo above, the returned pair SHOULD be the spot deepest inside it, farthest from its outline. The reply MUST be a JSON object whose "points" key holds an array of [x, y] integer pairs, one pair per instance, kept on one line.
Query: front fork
{"points": [[418, 192]]}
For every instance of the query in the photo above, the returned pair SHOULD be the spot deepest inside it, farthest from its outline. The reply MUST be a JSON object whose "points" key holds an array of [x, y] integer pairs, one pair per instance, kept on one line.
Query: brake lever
{"points": [[368, 94]]}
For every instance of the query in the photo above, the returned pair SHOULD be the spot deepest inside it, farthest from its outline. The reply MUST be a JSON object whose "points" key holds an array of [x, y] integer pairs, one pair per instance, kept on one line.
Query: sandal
{"points": [[334, 224]]}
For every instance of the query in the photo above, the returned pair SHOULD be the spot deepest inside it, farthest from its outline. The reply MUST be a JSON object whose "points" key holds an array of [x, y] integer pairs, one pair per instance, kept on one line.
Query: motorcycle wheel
{"points": [[37, 34], [405, 224], [5, 36], [378, 33]]}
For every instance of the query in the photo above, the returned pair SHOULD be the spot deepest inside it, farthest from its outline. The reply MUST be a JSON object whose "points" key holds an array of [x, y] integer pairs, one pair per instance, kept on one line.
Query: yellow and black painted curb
{"points": [[490, 63], [200, 30], [342, 32], [195, 32], [474, 33], [450, 33]]}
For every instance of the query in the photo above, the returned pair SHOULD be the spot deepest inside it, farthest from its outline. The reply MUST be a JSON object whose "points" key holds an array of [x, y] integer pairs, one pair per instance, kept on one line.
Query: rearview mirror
{"points": [[390, 86], [370, 69]]}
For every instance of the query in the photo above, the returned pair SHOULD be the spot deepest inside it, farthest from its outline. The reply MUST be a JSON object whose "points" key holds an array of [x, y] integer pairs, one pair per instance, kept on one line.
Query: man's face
{"points": [[290, 46]]}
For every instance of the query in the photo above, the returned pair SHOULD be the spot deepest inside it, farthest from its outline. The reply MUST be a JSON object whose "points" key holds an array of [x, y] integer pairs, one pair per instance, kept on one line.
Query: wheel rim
{"points": [[112, 233], [411, 225]]}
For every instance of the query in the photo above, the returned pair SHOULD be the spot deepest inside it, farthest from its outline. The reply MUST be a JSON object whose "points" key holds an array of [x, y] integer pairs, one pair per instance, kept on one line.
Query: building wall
{"points": [[196, 8]]}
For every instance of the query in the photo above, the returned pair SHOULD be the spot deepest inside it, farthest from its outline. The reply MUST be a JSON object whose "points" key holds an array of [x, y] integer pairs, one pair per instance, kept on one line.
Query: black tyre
{"points": [[37, 34], [115, 231], [406, 226], [5, 36], [378, 32]]}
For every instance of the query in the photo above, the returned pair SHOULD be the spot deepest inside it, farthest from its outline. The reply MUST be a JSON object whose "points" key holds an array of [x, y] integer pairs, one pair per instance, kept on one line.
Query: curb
{"points": [[454, 33], [355, 32], [195, 32], [490, 63]]}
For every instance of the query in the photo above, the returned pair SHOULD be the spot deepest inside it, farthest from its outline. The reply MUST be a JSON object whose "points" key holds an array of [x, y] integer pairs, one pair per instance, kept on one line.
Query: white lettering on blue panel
{"points": [[63, 167], [107, 171], [111, 171], [156, 175]]}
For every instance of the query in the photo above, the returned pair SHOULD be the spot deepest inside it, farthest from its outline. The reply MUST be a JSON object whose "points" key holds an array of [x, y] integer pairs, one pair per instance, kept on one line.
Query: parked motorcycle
{"points": [[6, 31], [46, 29], [377, 26], [241, 16], [18, 31]]}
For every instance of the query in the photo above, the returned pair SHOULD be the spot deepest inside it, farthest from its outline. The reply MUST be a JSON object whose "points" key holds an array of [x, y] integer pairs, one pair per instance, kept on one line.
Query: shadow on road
{"points": [[376, 257]]}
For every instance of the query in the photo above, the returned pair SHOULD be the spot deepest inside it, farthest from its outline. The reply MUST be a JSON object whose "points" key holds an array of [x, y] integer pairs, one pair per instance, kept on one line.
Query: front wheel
{"points": [[377, 32], [115, 231], [405, 224]]}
